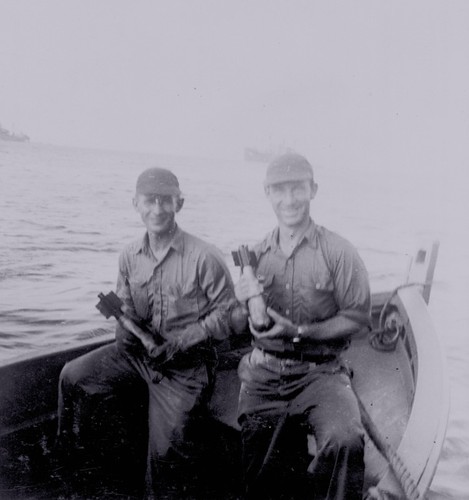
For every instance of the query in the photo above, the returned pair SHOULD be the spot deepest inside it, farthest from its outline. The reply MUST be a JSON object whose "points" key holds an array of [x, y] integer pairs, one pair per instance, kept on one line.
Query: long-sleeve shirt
{"points": [[323, 277], [189, 287]]}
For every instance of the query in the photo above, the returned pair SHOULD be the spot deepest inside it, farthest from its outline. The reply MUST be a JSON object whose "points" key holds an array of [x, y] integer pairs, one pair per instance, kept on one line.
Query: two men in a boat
{"points": [[177, 287], [293, 382]]}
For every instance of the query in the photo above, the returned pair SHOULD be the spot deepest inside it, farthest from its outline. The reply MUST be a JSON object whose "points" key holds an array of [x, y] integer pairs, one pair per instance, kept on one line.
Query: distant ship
{"points": [[6, 135], [253, 154]]}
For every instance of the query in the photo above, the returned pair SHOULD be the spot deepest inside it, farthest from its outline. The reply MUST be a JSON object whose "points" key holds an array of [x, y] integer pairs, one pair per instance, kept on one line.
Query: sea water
{"points": [[65, 213]]}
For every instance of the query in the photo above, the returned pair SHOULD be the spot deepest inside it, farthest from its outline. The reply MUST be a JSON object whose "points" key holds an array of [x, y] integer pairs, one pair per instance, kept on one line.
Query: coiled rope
{"points": [[385, 337]]}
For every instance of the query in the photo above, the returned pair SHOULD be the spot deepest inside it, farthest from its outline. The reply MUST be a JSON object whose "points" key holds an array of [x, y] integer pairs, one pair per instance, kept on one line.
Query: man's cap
{"points": [[157, 180], [288, 167]]}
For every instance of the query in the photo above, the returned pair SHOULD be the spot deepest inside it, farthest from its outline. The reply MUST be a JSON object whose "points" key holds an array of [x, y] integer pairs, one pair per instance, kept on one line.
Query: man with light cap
{"points": [[294, 382], [178, 288]]}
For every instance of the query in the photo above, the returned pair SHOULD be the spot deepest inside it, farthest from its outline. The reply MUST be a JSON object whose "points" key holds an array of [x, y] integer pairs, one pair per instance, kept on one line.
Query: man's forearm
{"points": [[333, 328], [238, 318]]}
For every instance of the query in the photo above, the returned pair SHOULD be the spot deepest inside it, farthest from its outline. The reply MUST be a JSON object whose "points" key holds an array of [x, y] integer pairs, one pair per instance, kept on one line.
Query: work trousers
{"points": [[174, 395], [281, 402]]}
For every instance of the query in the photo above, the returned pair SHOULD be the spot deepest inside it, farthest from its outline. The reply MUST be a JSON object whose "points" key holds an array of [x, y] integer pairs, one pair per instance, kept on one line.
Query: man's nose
{"points": [[289, 197], [157, 206]]}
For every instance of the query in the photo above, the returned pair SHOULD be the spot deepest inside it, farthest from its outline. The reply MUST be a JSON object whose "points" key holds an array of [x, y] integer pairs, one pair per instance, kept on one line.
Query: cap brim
{"points": [[286, 177], [161, 190]]}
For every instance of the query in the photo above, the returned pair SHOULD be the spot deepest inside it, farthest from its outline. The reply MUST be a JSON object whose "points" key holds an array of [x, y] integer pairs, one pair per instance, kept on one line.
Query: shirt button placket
{"points": [[287, 287], [160, 310], [286, 294]]}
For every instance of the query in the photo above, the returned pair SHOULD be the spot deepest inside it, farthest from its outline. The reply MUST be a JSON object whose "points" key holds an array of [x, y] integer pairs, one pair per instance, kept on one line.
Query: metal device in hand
{"points": [[246, 259], [110, 305]]}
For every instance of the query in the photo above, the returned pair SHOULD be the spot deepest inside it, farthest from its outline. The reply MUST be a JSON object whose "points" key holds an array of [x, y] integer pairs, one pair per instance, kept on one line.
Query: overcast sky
{"points": [[362, 82]]}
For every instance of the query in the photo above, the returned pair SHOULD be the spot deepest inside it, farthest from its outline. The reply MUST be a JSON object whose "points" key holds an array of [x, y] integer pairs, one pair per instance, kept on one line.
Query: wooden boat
{"points": [[399, 375]]}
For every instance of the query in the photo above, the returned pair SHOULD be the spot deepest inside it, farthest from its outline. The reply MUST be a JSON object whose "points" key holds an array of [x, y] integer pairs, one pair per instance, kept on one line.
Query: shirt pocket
{"points": [[183, 304], [316, 294], [139, 292], [321, 283]]}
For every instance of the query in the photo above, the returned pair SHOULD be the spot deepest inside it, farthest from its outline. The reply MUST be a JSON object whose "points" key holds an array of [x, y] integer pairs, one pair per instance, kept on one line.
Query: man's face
{"points": [[157, 211], [291, 201]]}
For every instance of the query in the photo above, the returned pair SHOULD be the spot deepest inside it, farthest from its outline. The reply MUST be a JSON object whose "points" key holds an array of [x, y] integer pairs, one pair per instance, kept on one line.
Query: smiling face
{"points": [[158, 212], [291, 202]]}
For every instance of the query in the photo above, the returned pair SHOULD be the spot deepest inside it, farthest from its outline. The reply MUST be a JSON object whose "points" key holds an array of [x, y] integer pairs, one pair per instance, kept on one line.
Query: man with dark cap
{"points": [[178, 288], [316, 290]]}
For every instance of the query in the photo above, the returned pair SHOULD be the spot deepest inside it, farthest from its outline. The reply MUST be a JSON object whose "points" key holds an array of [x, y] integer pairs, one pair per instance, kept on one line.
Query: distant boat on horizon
{"points": [[264, 156], [6, 135]]}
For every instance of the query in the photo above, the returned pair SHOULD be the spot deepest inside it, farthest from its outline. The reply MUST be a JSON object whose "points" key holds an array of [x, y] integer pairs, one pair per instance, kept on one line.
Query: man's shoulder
{"points": [[197, 245], [331, 236], [132, 246], [127, 255], [333, 243], [265, 243]]}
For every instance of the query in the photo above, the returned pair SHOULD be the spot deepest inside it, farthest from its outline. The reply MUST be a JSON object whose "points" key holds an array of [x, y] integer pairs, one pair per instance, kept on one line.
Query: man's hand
{"points": [[181, 339], [247, 287], [283, 328]]}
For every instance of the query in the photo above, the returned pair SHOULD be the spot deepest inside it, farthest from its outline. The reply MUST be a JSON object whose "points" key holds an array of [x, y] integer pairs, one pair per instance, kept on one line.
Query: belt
{"points": [[300, 356]]}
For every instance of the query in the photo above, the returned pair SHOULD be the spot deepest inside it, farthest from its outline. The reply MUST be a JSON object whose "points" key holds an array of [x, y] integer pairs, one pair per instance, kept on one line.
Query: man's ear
{"points": [[314, 189], [266, 190], [179, 204], [134, 202]]}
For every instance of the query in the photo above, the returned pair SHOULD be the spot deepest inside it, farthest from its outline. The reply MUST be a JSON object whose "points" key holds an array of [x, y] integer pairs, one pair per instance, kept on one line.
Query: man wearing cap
{"points": [[316, 290], [178, 288]]}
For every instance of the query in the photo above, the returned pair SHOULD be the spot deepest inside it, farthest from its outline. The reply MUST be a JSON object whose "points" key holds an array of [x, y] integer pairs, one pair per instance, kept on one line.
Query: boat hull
{"points": [[403, 390]]}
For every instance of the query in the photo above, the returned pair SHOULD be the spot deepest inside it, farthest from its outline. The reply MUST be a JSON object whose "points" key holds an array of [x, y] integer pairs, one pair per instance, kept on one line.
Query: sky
{"points": [[365, 83]]}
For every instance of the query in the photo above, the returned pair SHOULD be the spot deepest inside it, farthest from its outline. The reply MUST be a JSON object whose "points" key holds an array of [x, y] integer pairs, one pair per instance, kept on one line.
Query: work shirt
{"points": [[322, 278], [190, 285]]}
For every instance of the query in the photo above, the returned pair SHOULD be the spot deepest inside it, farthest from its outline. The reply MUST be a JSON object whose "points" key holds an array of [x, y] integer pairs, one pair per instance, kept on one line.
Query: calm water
{"points": [[66, 213]]}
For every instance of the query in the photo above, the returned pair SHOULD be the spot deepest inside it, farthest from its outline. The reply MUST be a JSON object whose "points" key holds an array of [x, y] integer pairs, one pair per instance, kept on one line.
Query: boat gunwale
{"points": [[430, 407]]}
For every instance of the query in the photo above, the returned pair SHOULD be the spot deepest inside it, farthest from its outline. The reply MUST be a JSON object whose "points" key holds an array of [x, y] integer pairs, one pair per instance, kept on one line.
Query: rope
{"points": [[398, 466], [394, 293], [384, 338]]}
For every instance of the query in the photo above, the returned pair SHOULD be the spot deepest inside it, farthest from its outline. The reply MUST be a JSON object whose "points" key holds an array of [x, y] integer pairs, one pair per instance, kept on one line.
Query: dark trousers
{"points": [[173, 398], [280, 402]]}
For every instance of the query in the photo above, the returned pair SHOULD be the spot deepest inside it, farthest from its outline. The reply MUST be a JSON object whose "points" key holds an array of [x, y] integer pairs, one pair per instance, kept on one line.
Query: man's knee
{"points": [[95, 373], [346, 437], [71, 374]]}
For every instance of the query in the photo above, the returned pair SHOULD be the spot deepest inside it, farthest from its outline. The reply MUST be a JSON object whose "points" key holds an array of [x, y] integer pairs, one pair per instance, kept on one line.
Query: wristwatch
{"points": [[299, 334]]}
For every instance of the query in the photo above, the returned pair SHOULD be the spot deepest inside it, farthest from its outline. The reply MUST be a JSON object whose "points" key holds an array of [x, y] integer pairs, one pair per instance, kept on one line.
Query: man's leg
{"points": [[262, 418], [101, 373], [260, 454], [174, 401], [338, 467], [102, 404]]}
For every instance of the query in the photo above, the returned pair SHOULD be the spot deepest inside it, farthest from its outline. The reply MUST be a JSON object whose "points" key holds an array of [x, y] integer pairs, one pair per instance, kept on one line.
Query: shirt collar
{"points": [[310, 236], [177, 243]]}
